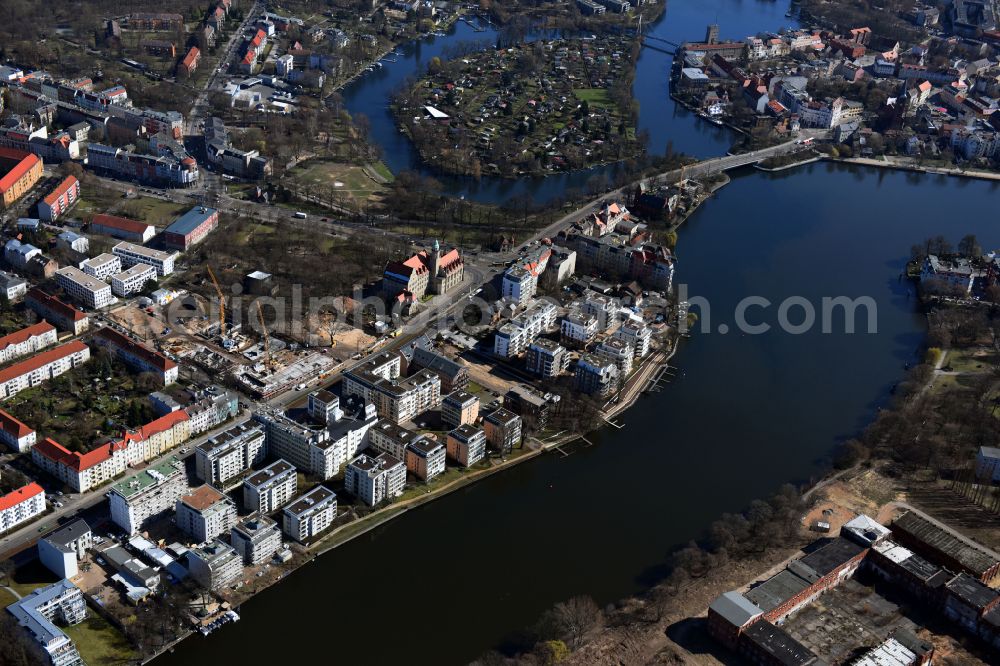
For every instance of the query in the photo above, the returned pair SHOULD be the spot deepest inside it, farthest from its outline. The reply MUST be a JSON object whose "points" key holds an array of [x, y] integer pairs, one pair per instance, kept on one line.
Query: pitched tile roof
{"points": [[25, 334], [13, 426], [40, 359], [25, 162], [21, 494]]}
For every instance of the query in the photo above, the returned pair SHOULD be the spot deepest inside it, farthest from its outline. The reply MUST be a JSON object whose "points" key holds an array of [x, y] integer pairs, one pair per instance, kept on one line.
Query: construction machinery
{"points": [[267, 339], [222, 303]]}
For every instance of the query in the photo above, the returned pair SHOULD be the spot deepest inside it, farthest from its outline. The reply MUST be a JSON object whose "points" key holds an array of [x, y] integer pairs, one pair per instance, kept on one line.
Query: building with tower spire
{"points": [[424, 273]]}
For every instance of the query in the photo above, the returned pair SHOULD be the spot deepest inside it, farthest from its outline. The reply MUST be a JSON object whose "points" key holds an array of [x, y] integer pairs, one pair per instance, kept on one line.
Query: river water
{"points": [[746, 413]]}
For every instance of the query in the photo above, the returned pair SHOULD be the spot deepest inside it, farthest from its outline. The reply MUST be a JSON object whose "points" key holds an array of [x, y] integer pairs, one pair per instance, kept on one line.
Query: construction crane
{"points": [[267, 339], [222, 303]]}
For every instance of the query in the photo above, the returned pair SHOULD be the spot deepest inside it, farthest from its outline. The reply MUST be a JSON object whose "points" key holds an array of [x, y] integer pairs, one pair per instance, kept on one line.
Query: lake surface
{"points": [[746, 413]]}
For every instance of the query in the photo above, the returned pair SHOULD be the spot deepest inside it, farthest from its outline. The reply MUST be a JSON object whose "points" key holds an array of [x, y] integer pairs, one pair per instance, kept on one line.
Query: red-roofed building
{"points": [[21, 506], [42, 366], [60, 199], [61, 314], [190, 61], [83, 471], [27, 341], [15, 434], [424, 273], [122, 227], [19, 171], [137, 356]]}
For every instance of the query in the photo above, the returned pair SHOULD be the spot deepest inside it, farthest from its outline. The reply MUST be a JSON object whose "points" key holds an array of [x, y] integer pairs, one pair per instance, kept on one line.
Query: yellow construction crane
{"points": [[222, 303], [267, 339]]}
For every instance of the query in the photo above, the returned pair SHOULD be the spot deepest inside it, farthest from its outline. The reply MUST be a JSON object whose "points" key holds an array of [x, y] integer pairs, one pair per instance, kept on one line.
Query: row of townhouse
{"points": [[83, 471]]}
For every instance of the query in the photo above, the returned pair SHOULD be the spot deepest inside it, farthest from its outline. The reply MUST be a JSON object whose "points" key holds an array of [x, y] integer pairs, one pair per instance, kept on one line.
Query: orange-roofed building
{"points": [[424, 273], [21, 505], [19, 171], [27, 341], [190, 61], [42, 366], [15, 434], [137, 356], [60, 199]]}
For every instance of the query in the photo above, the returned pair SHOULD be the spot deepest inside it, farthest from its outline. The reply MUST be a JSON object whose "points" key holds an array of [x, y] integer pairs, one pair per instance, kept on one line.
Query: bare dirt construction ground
{"points": [[138, 321]]}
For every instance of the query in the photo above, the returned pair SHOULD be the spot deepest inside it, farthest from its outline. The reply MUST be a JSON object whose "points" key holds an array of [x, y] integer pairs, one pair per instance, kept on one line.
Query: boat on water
{"points": [[224, 619]]}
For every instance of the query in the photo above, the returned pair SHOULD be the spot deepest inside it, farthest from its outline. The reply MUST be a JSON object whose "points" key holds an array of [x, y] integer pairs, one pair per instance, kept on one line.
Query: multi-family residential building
{"points": [[459, 408], [27, 341], [39, 611], [137, 499], [270, 488], [137, 356], [389, 437], [82, 471], [190, 228], [212, 407], [256, 539], [373, 479], [70, 240], [62, 550], [324, 407], [601, 307], [61, 314], [425, 458], [102, 266], [637, 335], [520, 281], [376, 380], [595, 375], [546, 358], [123, 228], [310, 514], [618, 352], [172, 169], [230, 453], [132, 280], [453, 375], [15, 434], [19, 171], [42, 366], [215, 565], [503, 430], [21, 505], [578, 329], [59, 200], [132, 254], [12, 286], [466, 444], [205, 513], [513, 337], [85, 289], [532, 406]]}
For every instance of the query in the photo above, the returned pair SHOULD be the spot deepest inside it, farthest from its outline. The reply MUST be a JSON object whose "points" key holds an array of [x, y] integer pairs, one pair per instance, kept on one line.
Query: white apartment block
{"points": [[62, 550], [601, 307], [512, 338], [256, 539], [578, 328], [205, 513], [15, 434], [271, 488], [21, 505], [376, 380], [373, 479], [230, 453], [148, 494], [388, 437], [132, 280], [310, 514], [519, 285], [42, 366], [102, 266], [27, 341], [308, 449], [131, 254], [215, 565], [85, 289], [637, 335], [618, 352]]}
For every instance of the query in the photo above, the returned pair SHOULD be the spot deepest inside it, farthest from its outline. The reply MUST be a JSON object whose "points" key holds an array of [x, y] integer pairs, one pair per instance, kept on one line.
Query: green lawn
{"points": [[383, 171], [593, 96], [99, 642]]}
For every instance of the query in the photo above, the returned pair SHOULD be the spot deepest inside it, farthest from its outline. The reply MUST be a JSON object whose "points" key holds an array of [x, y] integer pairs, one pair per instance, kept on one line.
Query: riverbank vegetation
{"points": [[532, 109]]}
